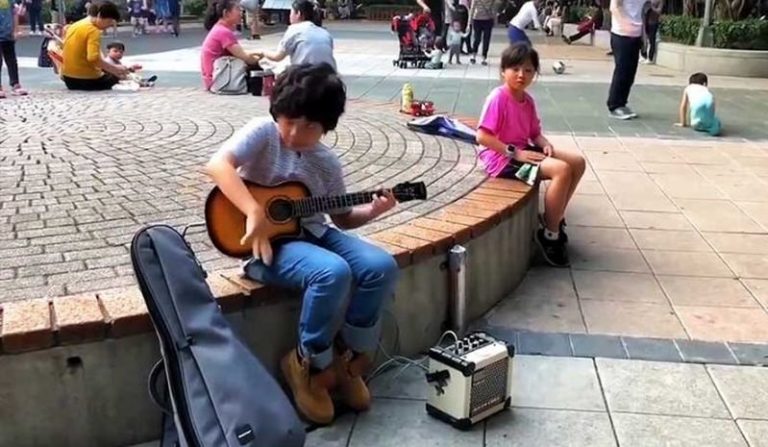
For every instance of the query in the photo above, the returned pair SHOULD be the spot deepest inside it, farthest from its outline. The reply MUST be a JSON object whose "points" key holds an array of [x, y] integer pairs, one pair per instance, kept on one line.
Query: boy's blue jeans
{"points": [[345, 281]]}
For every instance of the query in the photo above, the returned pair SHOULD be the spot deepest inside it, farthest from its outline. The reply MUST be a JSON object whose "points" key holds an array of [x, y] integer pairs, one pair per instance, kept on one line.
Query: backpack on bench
{"points": [[220, 394]]}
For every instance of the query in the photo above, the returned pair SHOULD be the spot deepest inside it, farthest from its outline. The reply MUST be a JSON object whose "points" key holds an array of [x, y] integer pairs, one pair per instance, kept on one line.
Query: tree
{"points": [[689, 8], [734, 9]]}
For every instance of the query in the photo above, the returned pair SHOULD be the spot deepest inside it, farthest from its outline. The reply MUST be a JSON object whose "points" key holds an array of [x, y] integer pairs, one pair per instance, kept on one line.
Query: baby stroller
{"points": [[416, 34]]}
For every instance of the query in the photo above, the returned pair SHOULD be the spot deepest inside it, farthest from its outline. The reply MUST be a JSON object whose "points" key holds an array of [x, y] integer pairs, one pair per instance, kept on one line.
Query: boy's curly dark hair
{"points": [[310, 91]]}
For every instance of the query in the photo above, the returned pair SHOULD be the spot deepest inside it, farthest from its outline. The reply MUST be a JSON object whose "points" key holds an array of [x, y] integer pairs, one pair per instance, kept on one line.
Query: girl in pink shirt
{"points": [[509, 133], [221, 21]]}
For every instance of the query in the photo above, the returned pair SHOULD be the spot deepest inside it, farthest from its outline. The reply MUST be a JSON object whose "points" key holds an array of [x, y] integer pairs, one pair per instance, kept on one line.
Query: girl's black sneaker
{"points": [[555, 252]]}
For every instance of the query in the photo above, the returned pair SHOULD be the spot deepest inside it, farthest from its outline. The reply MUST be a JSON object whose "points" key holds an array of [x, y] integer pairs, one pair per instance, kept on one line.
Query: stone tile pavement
{"points": [[668, 240], [576, 402]]}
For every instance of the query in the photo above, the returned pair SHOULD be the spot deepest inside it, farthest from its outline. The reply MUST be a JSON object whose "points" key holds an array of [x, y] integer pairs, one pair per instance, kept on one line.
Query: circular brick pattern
{"points": [[80, 173]]}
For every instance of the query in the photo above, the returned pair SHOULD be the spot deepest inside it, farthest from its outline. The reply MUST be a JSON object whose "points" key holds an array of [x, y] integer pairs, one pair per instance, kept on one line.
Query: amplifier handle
{"points": [[440, 378]]}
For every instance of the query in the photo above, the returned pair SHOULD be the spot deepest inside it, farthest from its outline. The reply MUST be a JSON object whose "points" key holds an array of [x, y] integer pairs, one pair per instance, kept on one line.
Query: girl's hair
{"points": [[216, 11], [306, 8], [517, 54]]}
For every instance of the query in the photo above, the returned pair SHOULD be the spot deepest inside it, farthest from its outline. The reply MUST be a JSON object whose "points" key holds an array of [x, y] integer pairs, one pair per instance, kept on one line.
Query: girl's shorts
{"points": [[511, 169]]}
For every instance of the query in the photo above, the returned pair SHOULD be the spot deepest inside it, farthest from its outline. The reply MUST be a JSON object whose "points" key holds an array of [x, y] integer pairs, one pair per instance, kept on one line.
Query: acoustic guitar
{"points": [[284, 204]]}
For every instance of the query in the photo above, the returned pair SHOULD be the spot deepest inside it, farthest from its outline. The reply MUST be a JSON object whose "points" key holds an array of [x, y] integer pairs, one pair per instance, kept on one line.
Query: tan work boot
{"points": [[310, 390], [349, 370]]}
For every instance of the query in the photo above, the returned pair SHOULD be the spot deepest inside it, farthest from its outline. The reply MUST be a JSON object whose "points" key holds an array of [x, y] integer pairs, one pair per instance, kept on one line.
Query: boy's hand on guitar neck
{"points": [[382, 203], [255, 235]]}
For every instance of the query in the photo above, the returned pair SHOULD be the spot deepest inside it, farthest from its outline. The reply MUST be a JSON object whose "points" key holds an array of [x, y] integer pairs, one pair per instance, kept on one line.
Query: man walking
{"points": [[626, 42]]}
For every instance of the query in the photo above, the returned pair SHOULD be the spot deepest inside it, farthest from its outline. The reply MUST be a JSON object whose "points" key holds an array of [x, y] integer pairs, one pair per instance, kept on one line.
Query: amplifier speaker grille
{"points": [[489, 387]]}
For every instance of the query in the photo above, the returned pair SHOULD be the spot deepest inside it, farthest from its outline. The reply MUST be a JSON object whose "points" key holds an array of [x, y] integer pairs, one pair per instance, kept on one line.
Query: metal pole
{"points": [[457, 265], [705, 37]]}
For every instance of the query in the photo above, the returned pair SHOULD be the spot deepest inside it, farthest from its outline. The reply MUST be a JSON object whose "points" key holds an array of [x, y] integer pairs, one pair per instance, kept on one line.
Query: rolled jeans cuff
{"points": [[319, 360], [361, 339]]}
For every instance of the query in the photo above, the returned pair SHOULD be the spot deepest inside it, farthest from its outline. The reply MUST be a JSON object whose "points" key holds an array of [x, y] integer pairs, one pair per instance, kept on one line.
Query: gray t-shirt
{"points": [[307, 43], [261, 158]]}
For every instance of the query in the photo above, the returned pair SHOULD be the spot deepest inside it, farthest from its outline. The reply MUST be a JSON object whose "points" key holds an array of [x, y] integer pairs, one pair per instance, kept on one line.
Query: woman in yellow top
{"points": [[83, 67]]}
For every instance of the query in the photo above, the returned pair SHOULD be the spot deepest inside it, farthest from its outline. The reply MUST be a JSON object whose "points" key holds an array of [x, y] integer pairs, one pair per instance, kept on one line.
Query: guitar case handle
{"points": [[153, 381]]}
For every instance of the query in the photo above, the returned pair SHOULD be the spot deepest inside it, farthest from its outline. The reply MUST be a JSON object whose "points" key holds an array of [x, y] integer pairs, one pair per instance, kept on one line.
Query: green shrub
{"points": [[750, 34], [195, 7]]}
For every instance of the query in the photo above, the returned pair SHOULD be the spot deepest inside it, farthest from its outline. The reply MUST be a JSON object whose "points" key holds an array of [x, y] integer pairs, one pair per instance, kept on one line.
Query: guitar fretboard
{"points": [[323, 204]]}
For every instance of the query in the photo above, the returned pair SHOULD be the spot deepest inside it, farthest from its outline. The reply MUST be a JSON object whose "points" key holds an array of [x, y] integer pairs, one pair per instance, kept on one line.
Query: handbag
{"points": [[229, 76], [44, 59]]}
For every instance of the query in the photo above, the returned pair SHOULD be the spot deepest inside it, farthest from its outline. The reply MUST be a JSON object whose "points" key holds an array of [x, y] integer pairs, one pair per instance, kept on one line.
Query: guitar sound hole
{"points": [[280, 210]]}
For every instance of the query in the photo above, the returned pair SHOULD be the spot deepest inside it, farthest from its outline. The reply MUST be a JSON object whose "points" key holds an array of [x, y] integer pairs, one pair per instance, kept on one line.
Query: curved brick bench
{"points": [[89, 354], [37, 324]]}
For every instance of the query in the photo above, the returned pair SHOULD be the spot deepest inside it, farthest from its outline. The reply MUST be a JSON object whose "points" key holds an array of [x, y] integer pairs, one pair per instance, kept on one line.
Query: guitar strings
{"points": [[311, 205]]}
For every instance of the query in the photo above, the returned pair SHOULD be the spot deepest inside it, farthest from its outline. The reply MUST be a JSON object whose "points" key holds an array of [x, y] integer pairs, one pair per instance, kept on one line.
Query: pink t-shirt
{"points": [[511, 121], [215, 45]]}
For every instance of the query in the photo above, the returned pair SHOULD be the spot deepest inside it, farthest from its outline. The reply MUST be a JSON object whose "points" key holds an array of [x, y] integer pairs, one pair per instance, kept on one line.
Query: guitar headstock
{"points": [[407, 191]]}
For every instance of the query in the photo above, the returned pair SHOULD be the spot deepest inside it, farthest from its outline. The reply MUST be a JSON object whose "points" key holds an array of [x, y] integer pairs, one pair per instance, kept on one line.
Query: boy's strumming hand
{"points": [[255, 235], [548, 149], [382, 203]]}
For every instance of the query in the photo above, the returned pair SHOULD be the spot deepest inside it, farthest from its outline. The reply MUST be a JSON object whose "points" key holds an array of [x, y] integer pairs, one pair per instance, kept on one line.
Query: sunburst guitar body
{"points": [[284, 205]]}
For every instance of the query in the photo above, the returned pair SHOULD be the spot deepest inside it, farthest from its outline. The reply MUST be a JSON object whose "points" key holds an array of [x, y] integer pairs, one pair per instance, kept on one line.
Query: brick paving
{"points": [[80, 173]]}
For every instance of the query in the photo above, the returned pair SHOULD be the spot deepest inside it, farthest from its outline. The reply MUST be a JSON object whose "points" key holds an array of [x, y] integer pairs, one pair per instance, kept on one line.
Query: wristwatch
{"points": [[511, 150]]}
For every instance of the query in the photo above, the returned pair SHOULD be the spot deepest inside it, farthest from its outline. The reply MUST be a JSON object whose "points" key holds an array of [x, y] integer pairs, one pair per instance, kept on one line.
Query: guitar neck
{"points": [[328, 204]]}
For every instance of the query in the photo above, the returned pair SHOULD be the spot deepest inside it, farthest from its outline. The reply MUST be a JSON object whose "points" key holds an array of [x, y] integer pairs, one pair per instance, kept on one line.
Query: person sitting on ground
{"points": [[591, 23], [82, 67], [220, 21], [345, 279], [697, 107], [553, 24], [115, 53], [436, 55], [509, 133], [303, 41], [545, 12]]}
